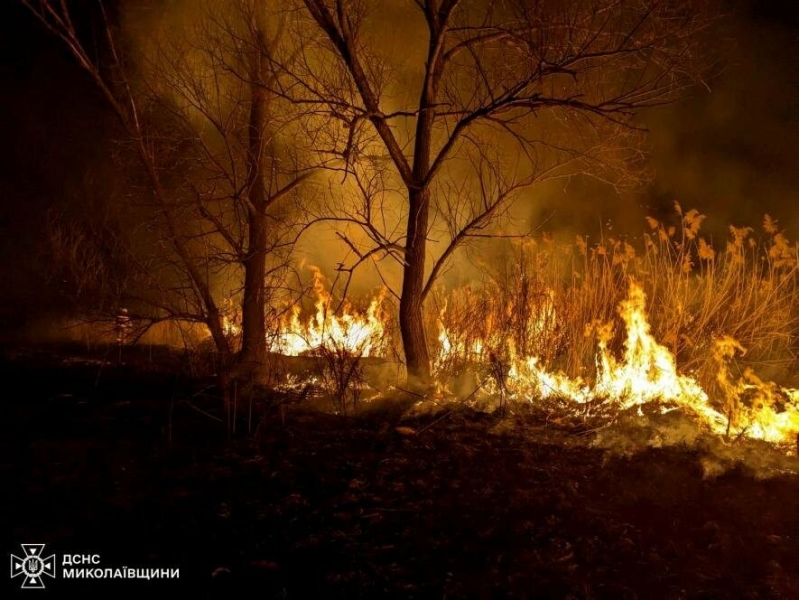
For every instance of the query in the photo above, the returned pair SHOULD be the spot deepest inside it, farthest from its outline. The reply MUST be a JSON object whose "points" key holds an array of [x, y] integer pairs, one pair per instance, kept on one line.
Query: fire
{"points": [[451, 346], [645, 373], [230, 321], [350, 331], [358, 334], [648, 373]]}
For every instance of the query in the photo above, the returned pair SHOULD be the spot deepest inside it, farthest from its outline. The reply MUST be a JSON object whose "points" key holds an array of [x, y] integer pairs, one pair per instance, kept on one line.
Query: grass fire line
{"points": [[700, 291]]}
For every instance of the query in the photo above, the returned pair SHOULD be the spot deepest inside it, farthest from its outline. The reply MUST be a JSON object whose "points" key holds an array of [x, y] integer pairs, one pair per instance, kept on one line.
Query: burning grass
{"points": [[680, 324], [676, 323]]}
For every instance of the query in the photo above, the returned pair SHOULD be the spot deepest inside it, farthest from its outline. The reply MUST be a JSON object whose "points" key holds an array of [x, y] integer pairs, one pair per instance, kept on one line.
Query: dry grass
{"points": [[551, 298]]}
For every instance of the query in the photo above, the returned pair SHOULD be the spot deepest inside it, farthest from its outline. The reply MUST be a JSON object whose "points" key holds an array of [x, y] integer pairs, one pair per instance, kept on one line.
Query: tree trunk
{"points": [[253, 326], [253, 329], [214, 323], [411, 316]]}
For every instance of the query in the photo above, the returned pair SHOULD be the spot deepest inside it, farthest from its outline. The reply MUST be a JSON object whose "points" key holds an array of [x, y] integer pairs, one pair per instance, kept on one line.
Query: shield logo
{"points": [[33, 566]]}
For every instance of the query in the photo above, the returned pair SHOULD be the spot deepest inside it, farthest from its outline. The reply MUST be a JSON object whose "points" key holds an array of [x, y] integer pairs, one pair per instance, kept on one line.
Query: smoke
{"points": [[730, 151], [632, 434], [727, 148]]}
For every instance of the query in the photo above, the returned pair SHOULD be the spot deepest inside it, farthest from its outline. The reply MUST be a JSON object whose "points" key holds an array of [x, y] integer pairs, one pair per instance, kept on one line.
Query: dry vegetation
{"points": [[706, 302]]}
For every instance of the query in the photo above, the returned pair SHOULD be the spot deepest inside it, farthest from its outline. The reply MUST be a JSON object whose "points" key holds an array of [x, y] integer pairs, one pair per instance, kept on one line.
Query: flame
{"points": [[359, 334], [452, 346], [648, 373]]}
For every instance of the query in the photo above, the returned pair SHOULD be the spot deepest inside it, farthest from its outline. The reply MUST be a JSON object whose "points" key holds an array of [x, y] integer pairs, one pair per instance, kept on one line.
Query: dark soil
{"points": [[119, 461]]}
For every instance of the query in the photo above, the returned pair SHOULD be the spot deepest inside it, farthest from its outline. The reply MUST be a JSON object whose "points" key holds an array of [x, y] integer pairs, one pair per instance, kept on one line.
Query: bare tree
{"points": [[217, 81], [194, 104], [113, 81], [503, 94]]}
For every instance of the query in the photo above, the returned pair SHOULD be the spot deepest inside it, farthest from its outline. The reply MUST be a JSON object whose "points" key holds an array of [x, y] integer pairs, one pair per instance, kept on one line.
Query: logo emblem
{"points": [[34, 566]]}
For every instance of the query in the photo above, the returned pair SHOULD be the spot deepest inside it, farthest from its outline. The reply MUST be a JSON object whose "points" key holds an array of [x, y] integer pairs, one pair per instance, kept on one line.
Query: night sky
{"points": [[730, 152]]}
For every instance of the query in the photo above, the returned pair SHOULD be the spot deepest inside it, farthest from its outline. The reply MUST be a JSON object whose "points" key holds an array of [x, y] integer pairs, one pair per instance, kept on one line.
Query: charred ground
{"points": [[117, 459]]}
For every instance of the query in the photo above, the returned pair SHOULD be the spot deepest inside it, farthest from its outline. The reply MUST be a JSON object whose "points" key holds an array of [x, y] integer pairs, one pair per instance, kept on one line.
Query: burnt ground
{"points": [[119, 461]]}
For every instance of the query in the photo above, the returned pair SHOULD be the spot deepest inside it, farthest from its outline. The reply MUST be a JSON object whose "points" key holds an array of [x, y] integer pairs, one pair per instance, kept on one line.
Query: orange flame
{"points": [[360, 334], [648, 373]]}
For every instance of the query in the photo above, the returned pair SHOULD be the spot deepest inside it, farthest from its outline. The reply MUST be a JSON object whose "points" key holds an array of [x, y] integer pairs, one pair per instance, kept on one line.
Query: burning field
{"points": [[603, 422], [593, 431], [585, 332], [442, 298]]}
